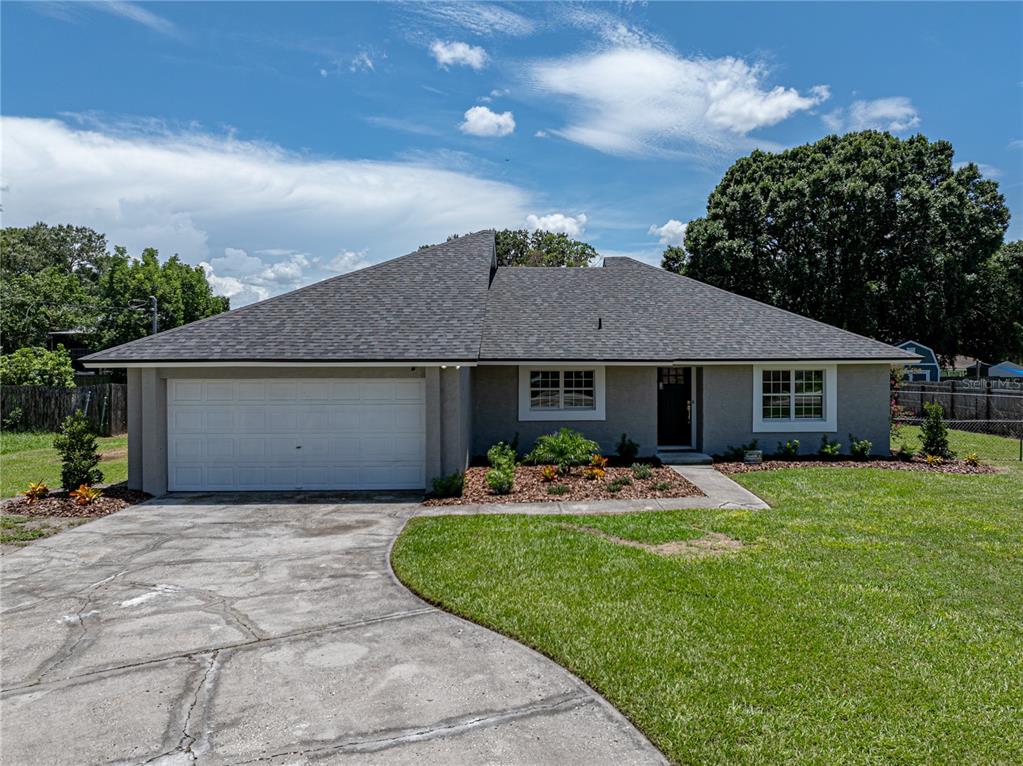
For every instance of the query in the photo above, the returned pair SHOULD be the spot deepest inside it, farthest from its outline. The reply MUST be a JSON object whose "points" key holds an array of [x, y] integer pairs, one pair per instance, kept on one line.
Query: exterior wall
{"points": [[726, 411], [147, 410], [630, 398]]}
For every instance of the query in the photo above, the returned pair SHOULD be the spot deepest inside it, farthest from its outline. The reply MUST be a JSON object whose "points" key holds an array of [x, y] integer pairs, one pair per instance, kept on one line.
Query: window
{"points": [[794, 399], [547, 393]]}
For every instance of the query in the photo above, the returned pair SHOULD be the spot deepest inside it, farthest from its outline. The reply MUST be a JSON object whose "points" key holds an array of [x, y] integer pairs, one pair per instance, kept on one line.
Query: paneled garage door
{"points": [[296, 434]]}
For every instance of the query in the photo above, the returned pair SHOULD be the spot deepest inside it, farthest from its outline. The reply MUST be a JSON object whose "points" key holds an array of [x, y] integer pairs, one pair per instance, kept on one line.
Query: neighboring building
{"points": [[926, 369], [76, 341], [1005, 370], [395, 374]]}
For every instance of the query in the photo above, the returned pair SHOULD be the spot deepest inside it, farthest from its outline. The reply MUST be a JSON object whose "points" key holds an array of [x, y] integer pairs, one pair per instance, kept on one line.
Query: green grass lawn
{"points": [[872, 617], [26, 457], [990, 448]]}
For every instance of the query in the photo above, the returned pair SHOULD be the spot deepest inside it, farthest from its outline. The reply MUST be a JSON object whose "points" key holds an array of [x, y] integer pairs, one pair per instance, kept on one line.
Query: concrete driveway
{"points": [[269, 629]]}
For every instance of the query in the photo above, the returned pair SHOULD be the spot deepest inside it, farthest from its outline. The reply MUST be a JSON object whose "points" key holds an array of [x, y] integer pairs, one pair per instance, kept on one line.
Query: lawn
{"points": [[871, 617], [990, 448], [26, 457]]}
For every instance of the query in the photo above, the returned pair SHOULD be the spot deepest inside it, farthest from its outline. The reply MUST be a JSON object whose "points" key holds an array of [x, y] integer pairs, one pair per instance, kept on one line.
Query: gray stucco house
{"points": [[401, 372]]}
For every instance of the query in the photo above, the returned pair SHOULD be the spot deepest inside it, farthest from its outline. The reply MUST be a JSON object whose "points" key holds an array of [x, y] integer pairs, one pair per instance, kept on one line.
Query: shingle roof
{"points": [[447, 303], [631, 311], [425, 306]]}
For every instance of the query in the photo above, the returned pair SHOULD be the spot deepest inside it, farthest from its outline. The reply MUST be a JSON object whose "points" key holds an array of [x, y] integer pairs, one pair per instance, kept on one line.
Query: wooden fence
{"points": [[40, 408]]}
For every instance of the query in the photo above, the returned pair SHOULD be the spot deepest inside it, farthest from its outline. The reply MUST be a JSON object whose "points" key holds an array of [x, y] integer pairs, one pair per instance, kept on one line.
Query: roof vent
{"points": [[600, 323]]}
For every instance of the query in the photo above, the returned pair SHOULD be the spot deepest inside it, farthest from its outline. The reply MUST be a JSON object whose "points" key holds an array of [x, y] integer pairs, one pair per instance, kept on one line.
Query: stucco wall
{"points": [[726, 413], [630, 400]]}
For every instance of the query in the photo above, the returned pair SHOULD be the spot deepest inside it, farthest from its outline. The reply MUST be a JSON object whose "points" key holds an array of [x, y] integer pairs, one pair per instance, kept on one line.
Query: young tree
{"points": [[866, 231], [76, 444]]}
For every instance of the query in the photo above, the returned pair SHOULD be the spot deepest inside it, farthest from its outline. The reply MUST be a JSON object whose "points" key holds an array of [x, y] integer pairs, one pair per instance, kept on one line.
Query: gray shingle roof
{"points": [[425, 306], [631, 311], [445, 303]]}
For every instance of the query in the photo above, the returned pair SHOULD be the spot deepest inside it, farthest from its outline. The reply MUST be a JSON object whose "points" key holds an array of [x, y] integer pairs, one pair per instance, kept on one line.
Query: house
{"points": [[1005, 370], [926, 369], [390, 376]]}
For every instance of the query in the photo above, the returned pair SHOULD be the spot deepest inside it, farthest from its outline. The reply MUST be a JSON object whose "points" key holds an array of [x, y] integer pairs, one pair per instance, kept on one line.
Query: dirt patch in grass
{"points": [[59, 504], [114, 454], [711, 544], [893, 464], [530, 487]]}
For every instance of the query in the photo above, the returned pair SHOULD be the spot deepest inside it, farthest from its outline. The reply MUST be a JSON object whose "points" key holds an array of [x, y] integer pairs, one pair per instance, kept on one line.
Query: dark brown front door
{"points": [[674, 406]]}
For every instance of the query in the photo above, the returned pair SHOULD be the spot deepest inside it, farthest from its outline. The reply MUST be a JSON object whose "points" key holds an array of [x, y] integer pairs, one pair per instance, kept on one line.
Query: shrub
{"points": [[565, 449], [616, 485], [501, 480], [971, 459], [934, 433], [627, 449], [35, 366], [594, 473], [598, 461], [449, 486], [557, 489], [662, 486], [789, 450], [641, 471], [905, 453], [85, 494], [934, 459], [37, 490], [549, 473], [15, 420], [736, 454], [860, 448], [76, 444], [829, 449], [501, 476]]}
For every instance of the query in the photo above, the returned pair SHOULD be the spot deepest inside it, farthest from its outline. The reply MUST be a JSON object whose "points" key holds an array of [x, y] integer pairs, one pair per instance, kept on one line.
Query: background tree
{"points": [[63, 277], [865, 231], [996, 328], [519, 247], [37, 367]]}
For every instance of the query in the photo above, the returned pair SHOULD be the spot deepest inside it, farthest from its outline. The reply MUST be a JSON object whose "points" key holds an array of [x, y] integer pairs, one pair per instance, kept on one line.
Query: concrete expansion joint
{"points": [[385, 740]]}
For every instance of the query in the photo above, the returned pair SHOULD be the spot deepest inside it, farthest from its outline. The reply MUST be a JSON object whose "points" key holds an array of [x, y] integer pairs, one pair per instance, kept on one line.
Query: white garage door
{"points": [[296, 434]]}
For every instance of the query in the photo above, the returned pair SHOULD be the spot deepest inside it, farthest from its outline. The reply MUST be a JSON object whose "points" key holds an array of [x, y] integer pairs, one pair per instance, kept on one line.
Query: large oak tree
{"points": [[866, 231]]}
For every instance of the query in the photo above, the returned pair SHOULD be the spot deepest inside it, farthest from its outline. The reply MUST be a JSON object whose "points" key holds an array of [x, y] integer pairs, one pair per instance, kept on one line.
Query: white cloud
{"points": [[672, 233], [1016, 143], [138, 14], [541, 134], [218, 200], [896, 114], [481, 121], [324, 73], [573, 226], [348, 260], [642, 100], [361, 62], [479, 18], [458, 54]]}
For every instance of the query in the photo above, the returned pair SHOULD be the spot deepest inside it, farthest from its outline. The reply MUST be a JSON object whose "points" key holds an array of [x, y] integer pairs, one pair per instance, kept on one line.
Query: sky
{"points": [[281, 143]]}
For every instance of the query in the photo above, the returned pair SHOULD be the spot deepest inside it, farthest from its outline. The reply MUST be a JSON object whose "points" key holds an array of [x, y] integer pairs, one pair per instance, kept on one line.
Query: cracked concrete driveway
{"points": [[229, 630]]}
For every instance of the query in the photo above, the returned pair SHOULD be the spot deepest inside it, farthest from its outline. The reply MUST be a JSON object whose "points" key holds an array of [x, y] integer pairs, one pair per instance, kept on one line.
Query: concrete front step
{"points": [[684, 457]]}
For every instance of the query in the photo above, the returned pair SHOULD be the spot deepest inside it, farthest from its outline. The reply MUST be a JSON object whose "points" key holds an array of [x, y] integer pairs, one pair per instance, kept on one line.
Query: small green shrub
{"points": [[557, 489], [641, 471], [736, 454], [829, 449], [789, 450], [661, 486], [905, 453], [76, 444], [618, 483], [501, 476], [565, 449], [15, 420], [860, 448], [971, 459], [449, 486], [934, 433], [627, 450], [501, 454]]}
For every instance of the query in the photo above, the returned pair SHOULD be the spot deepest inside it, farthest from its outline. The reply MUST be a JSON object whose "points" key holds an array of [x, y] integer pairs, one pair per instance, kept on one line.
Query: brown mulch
{"points": [[58, 503], [531, 488], [892, 464]]}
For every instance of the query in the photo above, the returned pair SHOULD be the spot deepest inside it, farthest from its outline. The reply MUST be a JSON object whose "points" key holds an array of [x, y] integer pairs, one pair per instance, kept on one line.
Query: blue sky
{"points": [[281, 143]]}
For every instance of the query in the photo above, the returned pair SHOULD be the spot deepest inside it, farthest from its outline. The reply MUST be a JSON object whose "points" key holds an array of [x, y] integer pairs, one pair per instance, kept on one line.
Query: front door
{"points": [[674, 406]]}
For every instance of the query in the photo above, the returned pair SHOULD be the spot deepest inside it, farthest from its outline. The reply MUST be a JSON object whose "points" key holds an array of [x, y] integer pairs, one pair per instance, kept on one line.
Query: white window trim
{"points": [[830, 422], [597, 413]]}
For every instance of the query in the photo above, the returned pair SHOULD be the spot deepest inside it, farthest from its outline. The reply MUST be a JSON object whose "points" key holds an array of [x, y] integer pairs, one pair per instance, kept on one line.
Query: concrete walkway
{"points": [[718, 492], [269, 629]]}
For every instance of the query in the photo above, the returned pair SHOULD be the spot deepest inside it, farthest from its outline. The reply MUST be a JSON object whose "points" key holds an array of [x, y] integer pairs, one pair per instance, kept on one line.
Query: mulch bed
{"points": [[58, 503], [531, 488], [891, 464]]}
